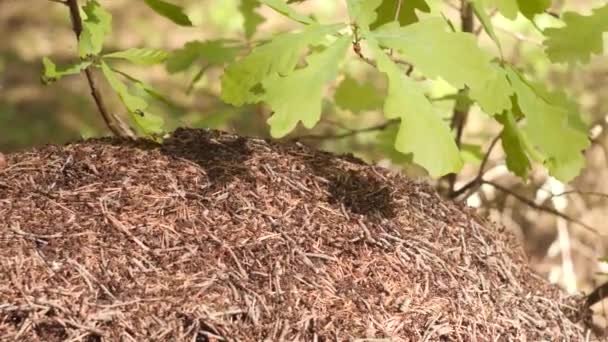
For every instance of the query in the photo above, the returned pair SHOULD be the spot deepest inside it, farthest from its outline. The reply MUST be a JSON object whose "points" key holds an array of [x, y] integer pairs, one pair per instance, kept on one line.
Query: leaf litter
{"points": [[215, 237]]}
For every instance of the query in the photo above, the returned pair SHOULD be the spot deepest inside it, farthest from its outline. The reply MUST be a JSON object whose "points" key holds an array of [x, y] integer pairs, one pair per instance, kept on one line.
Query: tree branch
{"points": [[582, 193], [350, 133], [116, 126], [476, 182], [459, 117], [538, 207]]}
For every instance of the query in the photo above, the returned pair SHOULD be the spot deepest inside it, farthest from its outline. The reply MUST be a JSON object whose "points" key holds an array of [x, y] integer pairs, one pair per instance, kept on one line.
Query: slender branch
{"points": [[582, 193], [459, 117], [538, 207], [398, 10], [350, 133], [116, 126], [476, 182]]}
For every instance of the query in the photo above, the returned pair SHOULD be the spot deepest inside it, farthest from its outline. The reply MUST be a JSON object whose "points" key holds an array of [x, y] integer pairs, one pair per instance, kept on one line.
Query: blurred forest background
{"points": [[561, 249]]}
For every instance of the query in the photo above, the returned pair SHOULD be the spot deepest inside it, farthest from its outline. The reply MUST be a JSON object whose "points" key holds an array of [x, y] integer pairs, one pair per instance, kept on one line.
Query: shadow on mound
{"points": [[223, 157], [359, 193]]}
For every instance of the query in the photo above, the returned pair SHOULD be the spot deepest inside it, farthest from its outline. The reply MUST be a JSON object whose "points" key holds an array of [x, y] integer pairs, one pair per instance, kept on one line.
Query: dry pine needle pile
{"points": [[213, 237]]}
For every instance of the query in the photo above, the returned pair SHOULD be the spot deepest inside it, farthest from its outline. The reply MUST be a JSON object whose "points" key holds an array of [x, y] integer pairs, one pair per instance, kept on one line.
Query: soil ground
{"points": [[213, 237]]}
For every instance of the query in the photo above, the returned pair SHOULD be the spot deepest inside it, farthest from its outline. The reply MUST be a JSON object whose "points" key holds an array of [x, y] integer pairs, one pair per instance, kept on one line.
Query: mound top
{"points": [[214, 237]]}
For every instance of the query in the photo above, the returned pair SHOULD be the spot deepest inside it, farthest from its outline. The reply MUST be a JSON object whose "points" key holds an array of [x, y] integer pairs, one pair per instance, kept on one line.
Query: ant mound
{"points": [[214, 237]]}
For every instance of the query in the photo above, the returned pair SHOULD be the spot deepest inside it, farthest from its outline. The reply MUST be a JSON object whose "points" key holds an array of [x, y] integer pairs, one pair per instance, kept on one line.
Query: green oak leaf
{"points": [[298, 96], [493, 95], [282, 7], [471, 153], [385, 143], [145, 121], [530, 8], [356, 97], [480, 11], [407, 12], [170, 11], [279, 56], [363, 12], [436, 51], [251, 19], [215, 52], [514, 146], [52, 72], [579, 39], [422, 131], [548, 128], [96, 26], [144, 56], [563, 100], [508, 8]]}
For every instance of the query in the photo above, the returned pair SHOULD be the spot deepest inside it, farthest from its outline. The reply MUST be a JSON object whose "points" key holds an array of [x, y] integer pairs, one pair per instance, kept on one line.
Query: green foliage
{"points": [[282, 7], [96, 26], [513, 143], [363, 12], [144, 121], [170, 11], [213, 52], [290, 72], [297, 96], [250, 17], [407, 12], [278, 56], [52, 73], [579, 39], [422, 132], [549, 130], [356, 97], [453, 56], [486, 21], [472, 154], [145, 56]]}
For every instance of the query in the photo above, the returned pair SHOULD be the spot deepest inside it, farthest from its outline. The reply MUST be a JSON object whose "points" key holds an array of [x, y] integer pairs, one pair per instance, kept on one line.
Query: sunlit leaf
{"points": [[279, 56], [145, 121], [422, 131], [282, 7], [96, 26], [251, 19], [215, 52], [513, 144], [52, 72], [170, 11], [548, 128], [407, 12], [298, 96], [145, 56], [579, 39], [453, 56], [356, 97]]}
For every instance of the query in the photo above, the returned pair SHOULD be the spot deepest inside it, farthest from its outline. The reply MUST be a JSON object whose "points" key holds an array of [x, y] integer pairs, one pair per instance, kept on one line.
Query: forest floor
{"points": [[214, 237]]}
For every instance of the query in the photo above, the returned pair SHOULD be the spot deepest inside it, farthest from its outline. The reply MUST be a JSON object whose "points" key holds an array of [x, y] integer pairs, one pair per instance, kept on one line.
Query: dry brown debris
{"points": [[212, 237]]}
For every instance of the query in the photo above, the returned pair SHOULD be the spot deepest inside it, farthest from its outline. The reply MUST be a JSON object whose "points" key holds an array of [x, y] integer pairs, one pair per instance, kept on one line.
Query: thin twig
{"points": [[116, 126], [347, 134], [538, 207], [475, 183], [582, 193], [398, 10], [459, 117]]}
